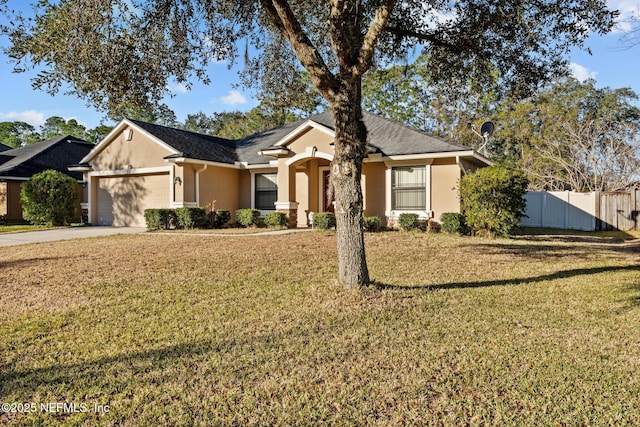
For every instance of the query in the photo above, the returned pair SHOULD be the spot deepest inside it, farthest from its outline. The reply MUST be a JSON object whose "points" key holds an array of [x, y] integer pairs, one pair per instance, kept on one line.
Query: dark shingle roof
{"points": [[389, 137], [55, 153], [4, 147], [193, 145]]}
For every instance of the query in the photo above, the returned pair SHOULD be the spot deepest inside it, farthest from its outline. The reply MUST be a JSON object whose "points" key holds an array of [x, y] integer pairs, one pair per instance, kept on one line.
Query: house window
{"points": [[408, 188], [266, 191]]}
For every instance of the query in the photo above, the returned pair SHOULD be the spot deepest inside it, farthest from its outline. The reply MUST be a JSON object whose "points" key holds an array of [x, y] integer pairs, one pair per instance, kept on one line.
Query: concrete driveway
{"points": [[12, 239]]}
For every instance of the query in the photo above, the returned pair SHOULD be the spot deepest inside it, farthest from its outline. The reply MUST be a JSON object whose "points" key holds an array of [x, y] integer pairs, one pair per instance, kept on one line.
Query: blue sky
{"points": [[613, 63]]}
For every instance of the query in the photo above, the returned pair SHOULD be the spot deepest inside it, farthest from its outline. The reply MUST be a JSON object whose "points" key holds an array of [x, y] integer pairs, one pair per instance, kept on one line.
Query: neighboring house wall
{"points": [[10, 204]]}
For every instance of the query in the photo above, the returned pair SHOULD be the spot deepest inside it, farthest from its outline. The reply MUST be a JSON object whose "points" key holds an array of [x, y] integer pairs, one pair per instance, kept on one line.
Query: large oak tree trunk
{"points": [[346, 170]]}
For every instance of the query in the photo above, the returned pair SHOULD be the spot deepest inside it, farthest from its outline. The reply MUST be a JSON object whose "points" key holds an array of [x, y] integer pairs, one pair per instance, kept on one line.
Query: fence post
{"points": [[633, 215], [597, 212]]}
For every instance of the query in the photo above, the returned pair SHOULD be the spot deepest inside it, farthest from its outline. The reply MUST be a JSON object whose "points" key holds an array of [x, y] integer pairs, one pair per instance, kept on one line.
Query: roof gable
{"points": [[180, 143]]}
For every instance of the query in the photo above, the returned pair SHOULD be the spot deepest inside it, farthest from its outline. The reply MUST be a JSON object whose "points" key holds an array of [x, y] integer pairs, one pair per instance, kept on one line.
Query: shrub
{"points": [[371, 223], [324, 220], [160, 219], [49, 197], [275, 219], [408, 221], [221, 217], [492, 200], [191, 217], [452, 222], [248, 217]]}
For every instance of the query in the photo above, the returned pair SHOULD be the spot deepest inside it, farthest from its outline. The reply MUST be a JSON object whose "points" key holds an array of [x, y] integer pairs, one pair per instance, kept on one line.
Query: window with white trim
{"points": [[408, 188], [266, 191]]}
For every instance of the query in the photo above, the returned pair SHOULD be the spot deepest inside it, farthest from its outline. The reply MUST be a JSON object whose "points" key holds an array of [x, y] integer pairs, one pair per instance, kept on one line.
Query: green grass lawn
{"points": [[178, 330], [20, 228]]}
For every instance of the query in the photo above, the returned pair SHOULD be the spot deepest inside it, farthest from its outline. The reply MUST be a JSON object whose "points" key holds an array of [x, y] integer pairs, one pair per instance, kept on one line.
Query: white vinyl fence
{"points": [[561, 209]]}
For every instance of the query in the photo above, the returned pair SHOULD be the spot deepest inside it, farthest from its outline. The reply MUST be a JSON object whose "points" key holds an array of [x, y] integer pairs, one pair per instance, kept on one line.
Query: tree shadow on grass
{"points": [[513, 281], [27, 381], [29, 262], [569, 248]]}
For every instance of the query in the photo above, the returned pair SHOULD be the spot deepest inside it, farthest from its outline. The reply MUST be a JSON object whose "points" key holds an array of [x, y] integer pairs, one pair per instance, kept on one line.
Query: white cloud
{"points": [[629, 9], [33, 117], [233, 98], [582, 73], [179, 88]]}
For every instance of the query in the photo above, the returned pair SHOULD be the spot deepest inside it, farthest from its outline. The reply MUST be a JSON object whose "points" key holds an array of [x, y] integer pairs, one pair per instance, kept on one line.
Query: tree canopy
{"points": [[119, 53], [17, 133], [574, 136]]}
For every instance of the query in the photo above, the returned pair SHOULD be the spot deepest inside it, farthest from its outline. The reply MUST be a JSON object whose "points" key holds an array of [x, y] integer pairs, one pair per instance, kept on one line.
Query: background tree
{"points": [[56, 126], [118, 53], [97, 134], [574, 136], [258, 119], [17, 134], [49, 197]]}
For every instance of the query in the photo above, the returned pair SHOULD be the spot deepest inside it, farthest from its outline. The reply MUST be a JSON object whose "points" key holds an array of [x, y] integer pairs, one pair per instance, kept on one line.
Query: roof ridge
{"points": [[206, 135], [411, 128]]}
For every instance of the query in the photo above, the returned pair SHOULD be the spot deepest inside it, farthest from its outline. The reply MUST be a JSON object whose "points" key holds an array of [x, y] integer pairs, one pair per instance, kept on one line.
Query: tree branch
{"points": [[372, 36], [285, 21], [428, 37]]}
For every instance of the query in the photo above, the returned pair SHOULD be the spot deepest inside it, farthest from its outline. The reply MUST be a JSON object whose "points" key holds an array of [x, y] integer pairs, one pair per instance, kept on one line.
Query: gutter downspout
{"points": [[198, 183]]}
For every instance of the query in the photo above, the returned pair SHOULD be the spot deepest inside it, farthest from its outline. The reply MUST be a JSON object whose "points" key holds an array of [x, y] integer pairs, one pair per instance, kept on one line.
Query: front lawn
{"points": [[177, 330]]}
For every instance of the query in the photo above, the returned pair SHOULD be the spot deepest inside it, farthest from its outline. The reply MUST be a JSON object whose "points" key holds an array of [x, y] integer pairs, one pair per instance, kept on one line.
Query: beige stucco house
{"points": [[141, 165]]}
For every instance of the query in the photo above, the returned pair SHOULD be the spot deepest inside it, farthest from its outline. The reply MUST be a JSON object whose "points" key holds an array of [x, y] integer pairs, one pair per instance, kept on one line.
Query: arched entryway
{"points": [[303, 186]]}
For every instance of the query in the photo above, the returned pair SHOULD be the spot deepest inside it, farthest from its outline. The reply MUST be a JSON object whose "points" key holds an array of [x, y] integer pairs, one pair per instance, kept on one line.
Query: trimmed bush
{"points": [[275, 219], [221, 217], [324, 220], [408, 221], [452, 222], [160, 219], [191, 217], [371, 223], [492, 200], [248, 217], [49, 197]]}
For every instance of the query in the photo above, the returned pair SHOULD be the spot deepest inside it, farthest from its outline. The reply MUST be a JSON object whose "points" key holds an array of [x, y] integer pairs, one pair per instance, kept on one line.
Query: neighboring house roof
{"points": [[4, 147], [55, 153]]}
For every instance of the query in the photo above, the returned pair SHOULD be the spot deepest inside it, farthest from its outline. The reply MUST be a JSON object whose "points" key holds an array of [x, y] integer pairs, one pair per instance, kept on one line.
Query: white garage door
{"points": [[121, 201]]}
